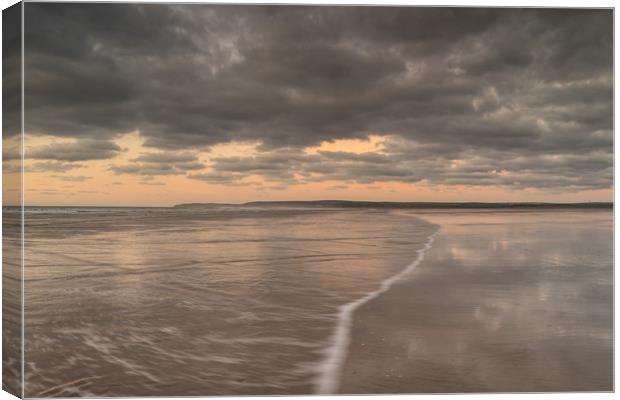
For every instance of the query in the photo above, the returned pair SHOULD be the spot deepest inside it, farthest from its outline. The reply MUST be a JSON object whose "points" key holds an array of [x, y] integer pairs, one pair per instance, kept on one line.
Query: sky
{"points": [[157, 104]]}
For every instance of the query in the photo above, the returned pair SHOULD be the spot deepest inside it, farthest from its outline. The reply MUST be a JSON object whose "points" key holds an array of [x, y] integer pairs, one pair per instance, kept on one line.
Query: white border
{"points": [[479, 3]]}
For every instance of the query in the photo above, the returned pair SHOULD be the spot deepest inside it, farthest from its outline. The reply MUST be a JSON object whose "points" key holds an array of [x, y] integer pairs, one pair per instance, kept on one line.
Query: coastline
{"points": [[328, 380]]}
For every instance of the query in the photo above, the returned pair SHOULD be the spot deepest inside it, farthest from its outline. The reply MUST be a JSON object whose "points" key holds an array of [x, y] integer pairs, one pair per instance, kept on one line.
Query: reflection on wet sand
{"points": [[504, 301]]}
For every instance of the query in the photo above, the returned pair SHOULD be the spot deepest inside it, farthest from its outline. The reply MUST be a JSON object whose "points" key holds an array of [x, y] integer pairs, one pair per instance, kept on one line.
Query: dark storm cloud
{"points": [[53, 166], [11, 70], [82, 150], [503, 89]]}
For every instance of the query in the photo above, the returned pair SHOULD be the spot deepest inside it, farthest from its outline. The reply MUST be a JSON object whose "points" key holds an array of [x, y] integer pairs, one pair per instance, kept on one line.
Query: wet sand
{"points": [[503, 302], [167, 302]]}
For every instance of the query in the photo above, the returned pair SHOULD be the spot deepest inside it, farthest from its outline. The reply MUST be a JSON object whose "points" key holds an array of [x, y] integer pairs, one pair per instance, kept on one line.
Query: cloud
{"points": [[226, 178], [162, 163], [152, 183], [52, 166], [72, 178], [492, 86], [11, 154], [412, 162], [146, 169], [166, 157], [338, 187], [81, 150], [189, 166]]}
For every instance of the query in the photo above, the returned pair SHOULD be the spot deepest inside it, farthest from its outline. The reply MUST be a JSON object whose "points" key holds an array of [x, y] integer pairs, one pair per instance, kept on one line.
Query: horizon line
{"points": [[352, 202]]}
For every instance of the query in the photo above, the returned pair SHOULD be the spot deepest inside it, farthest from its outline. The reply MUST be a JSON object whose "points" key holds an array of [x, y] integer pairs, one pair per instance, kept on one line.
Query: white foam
{"points": [[328, 379]]}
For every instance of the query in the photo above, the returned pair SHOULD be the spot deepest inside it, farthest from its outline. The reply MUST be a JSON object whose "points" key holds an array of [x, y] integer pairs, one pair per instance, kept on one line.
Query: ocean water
{"points": [[129, 302]]}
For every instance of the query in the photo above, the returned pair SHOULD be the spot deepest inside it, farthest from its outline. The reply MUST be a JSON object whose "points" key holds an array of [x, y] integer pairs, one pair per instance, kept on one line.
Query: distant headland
{"points": [[391, 204]]}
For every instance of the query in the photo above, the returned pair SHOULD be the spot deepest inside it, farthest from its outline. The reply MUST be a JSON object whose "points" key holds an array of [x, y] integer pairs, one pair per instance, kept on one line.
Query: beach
{"points": [[300, 300], [503, 302]]}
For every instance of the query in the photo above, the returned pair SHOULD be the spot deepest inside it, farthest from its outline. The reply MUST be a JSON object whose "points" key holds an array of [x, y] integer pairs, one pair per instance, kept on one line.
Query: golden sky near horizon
{"points": [[91, 182]]}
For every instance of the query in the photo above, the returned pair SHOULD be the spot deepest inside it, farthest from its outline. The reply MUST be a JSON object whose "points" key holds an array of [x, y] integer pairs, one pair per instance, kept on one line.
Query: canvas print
{"points": [[229, 199]]}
